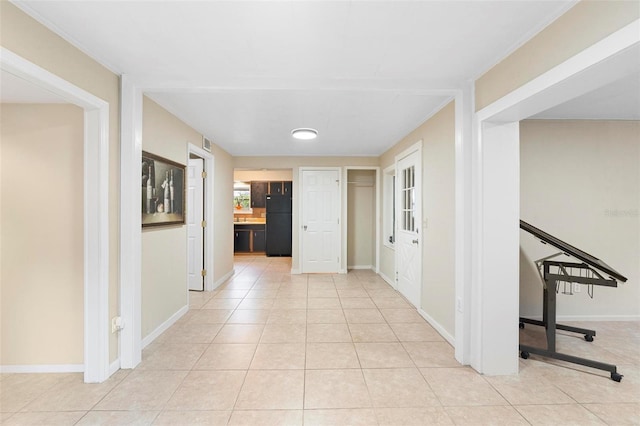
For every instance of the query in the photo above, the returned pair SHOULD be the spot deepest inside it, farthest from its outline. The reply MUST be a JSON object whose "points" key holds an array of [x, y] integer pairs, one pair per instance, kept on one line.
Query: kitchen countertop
{"points": [[253, 222]]}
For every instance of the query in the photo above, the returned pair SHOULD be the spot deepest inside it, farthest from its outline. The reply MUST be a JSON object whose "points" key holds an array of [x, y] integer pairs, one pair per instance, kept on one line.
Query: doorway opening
{"points": [[95, 217], [263, 212], [362, 228]]}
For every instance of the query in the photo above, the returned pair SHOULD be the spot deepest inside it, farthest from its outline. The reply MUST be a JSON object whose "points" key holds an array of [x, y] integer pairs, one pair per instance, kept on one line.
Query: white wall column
{"points": [[496, 247], [463, 187], [130, 224]]}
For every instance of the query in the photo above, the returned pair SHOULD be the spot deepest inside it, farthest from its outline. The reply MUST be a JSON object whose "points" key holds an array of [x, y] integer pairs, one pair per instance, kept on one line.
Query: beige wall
{"points": [[361, 218], [223, 214], [26, 37], [582, 26], [580, 181], [41, 232], [438, 204], [262, 175], [164, 249]]}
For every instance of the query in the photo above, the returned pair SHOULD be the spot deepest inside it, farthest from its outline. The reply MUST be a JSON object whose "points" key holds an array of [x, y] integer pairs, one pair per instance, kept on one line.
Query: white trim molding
{"points": [[148, 339], [130, 223], [388, 280], [96, 207], [42, 368], [222, 279], [439, 328]]}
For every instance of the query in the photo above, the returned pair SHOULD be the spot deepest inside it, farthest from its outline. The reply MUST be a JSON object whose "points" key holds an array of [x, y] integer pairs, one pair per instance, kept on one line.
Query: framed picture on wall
{"points": [[163, 191]]}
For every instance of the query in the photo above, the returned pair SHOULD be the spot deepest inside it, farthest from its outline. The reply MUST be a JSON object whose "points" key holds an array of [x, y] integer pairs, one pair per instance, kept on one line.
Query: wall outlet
{"points": [[576, 288], [116, 324]]}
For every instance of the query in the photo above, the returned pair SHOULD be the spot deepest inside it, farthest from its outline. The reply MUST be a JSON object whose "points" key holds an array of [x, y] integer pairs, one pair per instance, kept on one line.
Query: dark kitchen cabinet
{"points": [[259, 241], [242, 240], [287, 187], [280, 188], [249, 238], [275, 187], [258, 192]]}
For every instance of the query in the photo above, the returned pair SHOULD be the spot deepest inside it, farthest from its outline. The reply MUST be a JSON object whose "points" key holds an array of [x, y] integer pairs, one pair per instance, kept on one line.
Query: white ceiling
{"points": [[244, 73]]}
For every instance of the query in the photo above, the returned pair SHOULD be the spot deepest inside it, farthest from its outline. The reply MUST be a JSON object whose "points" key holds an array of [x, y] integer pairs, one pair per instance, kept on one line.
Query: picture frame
{"points": [[163, 191]]}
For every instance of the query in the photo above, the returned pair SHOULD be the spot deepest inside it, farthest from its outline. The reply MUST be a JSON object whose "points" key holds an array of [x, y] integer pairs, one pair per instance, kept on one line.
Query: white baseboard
{"points": [[146, 341], [387, 280], [115, 366], [440, 329], [560, 318], [295, 271], [43, 368], [222, 280], [360, 267]]}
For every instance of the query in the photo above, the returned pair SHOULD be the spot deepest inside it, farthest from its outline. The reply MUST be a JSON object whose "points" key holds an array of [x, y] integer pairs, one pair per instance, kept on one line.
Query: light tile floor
{"points": [[271, 348]]}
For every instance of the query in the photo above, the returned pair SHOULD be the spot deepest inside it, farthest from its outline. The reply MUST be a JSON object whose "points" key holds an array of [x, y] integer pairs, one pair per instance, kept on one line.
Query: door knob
{"points": [[415, 241], [305, 227]]}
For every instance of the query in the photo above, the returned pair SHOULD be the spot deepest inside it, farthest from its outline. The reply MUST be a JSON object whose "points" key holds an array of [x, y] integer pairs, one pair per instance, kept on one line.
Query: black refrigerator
{"points": [[278, 227]]}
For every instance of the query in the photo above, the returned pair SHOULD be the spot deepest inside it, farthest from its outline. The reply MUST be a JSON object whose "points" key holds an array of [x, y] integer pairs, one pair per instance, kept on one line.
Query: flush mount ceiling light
{"points": [[304, 133]]}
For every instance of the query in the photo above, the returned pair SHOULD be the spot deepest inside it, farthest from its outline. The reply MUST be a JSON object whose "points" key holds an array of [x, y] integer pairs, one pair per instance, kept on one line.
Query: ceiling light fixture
{"points": [[304, 133]]}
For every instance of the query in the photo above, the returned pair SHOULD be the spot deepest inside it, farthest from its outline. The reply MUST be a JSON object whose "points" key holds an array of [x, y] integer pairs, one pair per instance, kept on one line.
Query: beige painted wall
{"points": [[583, 25], [438, 204], [262, 175], [223, 214], [580, 181], [361, 218], [41, 232], [26, 37], [164, 249]]}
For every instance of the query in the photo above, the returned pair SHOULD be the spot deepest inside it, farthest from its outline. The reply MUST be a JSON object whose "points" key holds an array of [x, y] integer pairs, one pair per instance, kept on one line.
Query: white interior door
{"points": [[408, 223], [195, 231], [320, 221]]}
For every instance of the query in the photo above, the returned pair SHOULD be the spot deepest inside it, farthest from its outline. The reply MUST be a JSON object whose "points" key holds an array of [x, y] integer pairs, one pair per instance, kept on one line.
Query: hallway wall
{"points": [[41, 231], [438, 210]]}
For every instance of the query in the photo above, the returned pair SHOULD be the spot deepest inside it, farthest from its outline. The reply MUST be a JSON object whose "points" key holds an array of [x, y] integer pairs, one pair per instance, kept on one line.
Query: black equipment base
{"points": [[550, 325]]}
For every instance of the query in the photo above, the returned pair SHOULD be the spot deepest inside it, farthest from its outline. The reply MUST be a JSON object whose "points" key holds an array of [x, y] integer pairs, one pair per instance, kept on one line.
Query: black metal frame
{"points": [[551, 281]]}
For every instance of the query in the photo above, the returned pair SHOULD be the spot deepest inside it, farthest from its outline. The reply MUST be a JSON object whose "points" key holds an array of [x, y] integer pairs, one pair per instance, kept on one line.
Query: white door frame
{"points": [[495, 296], [300, 210], [96, 208], [209, 161], [345, 223]]}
